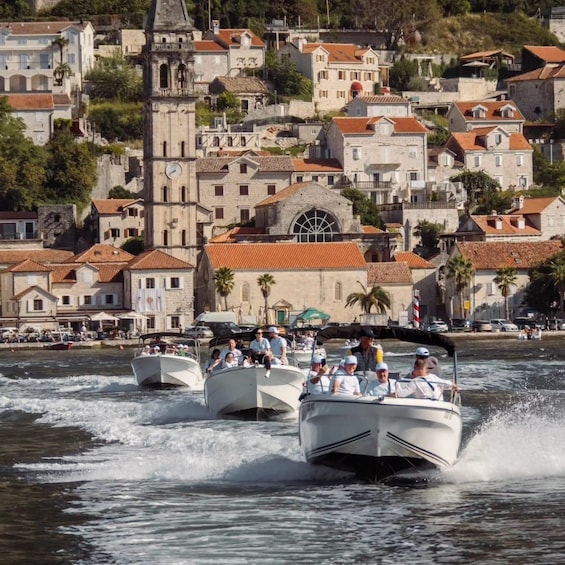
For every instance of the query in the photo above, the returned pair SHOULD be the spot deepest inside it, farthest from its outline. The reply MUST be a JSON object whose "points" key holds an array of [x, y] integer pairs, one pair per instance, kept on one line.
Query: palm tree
{"points": [[265, 283], [377, 297], [505, 279], [62, 70], [223, 277], [461, 270], [557, 274]]}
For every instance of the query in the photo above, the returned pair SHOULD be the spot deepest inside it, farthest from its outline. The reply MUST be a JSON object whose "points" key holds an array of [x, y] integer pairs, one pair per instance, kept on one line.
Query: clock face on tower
{"points": [[173, 170]]}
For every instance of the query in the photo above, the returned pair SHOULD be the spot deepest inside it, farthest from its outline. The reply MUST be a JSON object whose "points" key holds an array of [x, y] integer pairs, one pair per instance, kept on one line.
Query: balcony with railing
{"points": [[15, 236], [364, 185]]}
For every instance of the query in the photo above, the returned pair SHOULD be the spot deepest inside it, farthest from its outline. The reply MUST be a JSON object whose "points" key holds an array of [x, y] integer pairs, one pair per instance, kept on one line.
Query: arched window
{"points": [[183, 193], [183, 237], [165, 194], [315, 226], [338, 293], [182, 148], [165, 237], [245, 292], [164, 76]]}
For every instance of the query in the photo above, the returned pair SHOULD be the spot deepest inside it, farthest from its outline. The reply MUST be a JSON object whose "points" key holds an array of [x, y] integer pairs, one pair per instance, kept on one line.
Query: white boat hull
{"points": [[246, 392], [376, 437], [303, 357], [167, 370]]}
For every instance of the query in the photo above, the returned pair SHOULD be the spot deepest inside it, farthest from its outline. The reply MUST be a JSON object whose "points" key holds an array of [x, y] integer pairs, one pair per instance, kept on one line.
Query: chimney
{"points": [[215, 27]]}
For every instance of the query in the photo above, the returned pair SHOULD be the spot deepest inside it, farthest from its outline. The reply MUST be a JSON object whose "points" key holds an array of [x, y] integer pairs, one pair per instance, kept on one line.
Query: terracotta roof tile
{"points": [[317, 165], [383, 99], [112, 206], [229, 235], [534, 205], [547, 53], [111, 273], [103, 253], [483, 54], [208, 45], [241, 85], [493, 110], [40, 28], [388, 273], [338, 52], [28, 266], [546, 72], [155, 259], [371, 229], [45, 256], [31, 102], [232, 37], [64, 274], [412, 260], [284, 256], [62, 100], [361, 126], [508, 225], [520, 255], [285, 193], [471, 140]]}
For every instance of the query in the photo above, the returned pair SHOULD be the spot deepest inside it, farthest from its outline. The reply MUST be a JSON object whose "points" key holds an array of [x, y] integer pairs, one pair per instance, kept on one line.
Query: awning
{"points": [[312, 316], [356, 86]]}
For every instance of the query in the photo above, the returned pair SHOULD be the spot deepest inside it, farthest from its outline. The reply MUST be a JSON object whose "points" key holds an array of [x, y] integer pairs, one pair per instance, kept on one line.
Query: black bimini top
{"points": [[384, 332]]}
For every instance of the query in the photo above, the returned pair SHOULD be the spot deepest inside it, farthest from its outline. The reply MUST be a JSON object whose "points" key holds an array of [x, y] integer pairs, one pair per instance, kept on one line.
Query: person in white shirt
{"points": [[345, 381], [230, 360], [421, 383], [259, 347], [318, 380], [233, 349], [278, 345], [383, 386]]}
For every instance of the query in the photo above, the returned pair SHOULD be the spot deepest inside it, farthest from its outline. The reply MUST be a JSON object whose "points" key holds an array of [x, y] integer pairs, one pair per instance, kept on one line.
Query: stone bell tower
{"points": [[169, 151]]}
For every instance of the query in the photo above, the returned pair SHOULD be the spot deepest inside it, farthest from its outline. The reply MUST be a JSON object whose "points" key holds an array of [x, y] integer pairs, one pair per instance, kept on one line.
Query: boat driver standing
{"points": [[367, 354]]}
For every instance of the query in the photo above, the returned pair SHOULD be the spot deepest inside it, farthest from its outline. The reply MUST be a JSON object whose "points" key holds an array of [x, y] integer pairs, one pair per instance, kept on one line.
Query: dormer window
{"points": [[478, 112]]}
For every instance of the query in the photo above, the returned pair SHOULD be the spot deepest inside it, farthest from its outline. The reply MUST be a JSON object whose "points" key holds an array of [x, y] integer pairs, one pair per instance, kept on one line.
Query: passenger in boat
{"points": [[146, 350], [230, 360], [421, 383], [318, 380], [259, 347], [384, 385], [278, 345], [232, 348], [156, 350], [345, 381], [214, 362], [366, 353]]}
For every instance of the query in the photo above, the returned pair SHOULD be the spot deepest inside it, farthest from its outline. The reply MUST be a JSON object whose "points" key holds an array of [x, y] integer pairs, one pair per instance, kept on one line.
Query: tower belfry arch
{"points": [[169, 151]]}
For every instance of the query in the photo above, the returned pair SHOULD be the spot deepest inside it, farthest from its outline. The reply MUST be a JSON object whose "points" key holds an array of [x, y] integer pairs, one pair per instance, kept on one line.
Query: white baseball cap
{"points": [[422, 352], [273, 330], [317, 359], [381, 367], [350, 360]]}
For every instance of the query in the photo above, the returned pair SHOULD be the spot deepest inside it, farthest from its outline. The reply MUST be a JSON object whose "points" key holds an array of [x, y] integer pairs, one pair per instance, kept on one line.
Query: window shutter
{"points": [[167, 283], [181, 282]]}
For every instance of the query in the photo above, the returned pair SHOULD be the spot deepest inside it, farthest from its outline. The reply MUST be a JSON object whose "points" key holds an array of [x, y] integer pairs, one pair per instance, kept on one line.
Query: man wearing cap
{"points": [[345, 381], [366, 353], [278, 345], [317, 380], [383, 386], [421, 383]]}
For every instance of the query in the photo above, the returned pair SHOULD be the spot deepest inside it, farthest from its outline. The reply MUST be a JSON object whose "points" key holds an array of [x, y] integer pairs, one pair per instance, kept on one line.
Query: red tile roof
{"points": [[8, 257], [106, 273], [472, 140], [547, 72], [547, 53], [361, 126], [520, 255], [338, 52], [493, 110], [155, 259], [412, 260], [277, 163], [208, 45], [113, 206], [40, 28], [284, 193], [388, 273], [31, 102], [28, 266], [371, 229], [229, 236], [103, 253], [317, 165], [534, 205], [508, 227], [232, 37], [285, 256], [383, 99]]}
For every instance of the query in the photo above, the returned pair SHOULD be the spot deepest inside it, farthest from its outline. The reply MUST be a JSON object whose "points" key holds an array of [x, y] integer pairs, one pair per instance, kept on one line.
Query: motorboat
{"points": [[301, 348], [251, 390], [379, 436], [59, 346], [168, 359], [528, 333]]}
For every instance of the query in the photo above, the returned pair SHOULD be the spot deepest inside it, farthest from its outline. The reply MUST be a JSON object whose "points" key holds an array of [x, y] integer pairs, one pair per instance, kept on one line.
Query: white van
{"points": [[225, 317]]}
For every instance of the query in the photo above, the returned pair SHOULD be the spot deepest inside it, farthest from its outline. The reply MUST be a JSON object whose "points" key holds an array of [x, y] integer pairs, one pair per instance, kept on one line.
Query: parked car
{"points": [[438, 326], [503, 325], [198, 332], [530, 323], [481, 326], [460, 325]]}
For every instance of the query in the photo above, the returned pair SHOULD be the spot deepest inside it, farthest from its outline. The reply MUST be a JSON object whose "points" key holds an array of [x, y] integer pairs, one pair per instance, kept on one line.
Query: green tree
{"points": [[266, 283], [461, 271], [224, 280], [22, 164], [71, 170], [15, 9], [117, 120], [429, 233], [286, 79], [402, 72], [363, 207], [557, 274], [228, 100], [114, 78], [505, 279], [377, 297], [62, 70], [541, 292], [480, 188], [119, 192], [134, 245], [547, 174]]}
